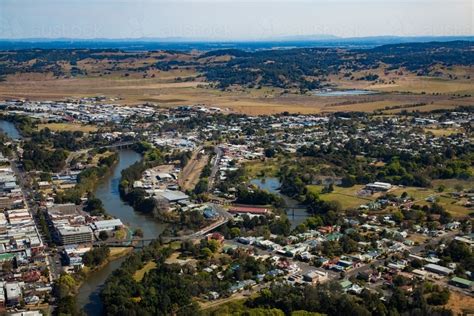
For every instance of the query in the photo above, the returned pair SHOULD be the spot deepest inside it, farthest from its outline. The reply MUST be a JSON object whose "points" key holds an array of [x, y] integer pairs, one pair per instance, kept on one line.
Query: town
{"points": [[248, 201]]}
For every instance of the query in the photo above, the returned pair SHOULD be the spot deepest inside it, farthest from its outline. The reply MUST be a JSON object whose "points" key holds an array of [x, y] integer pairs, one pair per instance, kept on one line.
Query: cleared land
{"points": [[164, 90], [460, 304], [257, 168], [349, 198], [59, 127], [190, 174], [443, 132], [346, 196], [171, 78], [139, 274], [454, 206]]}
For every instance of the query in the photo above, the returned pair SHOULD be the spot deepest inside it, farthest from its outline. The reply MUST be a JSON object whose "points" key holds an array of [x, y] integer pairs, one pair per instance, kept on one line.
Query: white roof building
{"points": [[106, 225]]}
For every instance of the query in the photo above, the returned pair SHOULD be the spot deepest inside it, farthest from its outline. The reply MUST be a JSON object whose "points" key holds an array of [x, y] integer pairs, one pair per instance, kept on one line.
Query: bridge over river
{"points": [[223, 218]]}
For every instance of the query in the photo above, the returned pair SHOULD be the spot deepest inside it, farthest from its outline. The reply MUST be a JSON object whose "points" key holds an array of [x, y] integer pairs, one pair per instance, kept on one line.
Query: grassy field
{"points": [[349, 199], [451, 184], [418, 194], [117, 252], [346, 196], [59, 127], [257, 168], [139, 274], [443, 131], [411, 83], [97, 157], [451, 205], [414, 84]]}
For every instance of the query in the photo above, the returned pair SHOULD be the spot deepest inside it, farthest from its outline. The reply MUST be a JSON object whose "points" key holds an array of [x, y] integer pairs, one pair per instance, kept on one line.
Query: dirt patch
{"points": [[460, 304], [189, 177]]}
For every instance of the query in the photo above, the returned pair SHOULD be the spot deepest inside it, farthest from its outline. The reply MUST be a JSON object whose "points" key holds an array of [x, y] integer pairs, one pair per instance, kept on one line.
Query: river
{"points": [[344, 93], [296, 212], [88, 297], [10, 130]]}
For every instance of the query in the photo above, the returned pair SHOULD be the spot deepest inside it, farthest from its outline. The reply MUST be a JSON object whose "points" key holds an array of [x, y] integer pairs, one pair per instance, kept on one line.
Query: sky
{"points": [[233, 20]]}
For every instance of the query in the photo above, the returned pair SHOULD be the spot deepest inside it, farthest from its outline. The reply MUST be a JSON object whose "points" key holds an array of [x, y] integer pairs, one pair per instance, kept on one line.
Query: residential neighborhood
{"points": [[230, 192]]}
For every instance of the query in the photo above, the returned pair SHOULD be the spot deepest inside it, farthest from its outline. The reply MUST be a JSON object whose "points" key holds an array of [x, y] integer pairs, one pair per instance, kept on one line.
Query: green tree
{"points": [[235, 232], [103, 235], [206, 252]]}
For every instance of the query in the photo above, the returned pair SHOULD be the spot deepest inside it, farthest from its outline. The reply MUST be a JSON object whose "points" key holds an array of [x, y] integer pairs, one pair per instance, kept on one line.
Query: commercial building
{"points": [[2, 297], [438, 269], [106, 225], [460, 282], [75, 235], [248, 210], [13, 291], [6, 202], [173, 196], [378, 186]]}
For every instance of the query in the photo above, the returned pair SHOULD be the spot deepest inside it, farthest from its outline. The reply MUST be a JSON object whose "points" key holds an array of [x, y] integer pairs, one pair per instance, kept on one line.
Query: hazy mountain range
{"points": [[183, 43]]}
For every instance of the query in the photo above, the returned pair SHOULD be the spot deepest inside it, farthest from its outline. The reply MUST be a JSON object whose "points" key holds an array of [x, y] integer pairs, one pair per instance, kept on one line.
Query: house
{"points": [[344, 264], [396, 266], [216, 236], [420, 274], [213, 295], [326, 229], [315, 276], [345, 284], [464, 240], [364, 275], [241, 285], [355, 288], [162, 176], [209, 212]]}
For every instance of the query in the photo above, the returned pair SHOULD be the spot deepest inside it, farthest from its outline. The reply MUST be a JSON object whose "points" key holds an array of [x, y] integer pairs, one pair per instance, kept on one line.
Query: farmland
{"points": [[169, 79]]}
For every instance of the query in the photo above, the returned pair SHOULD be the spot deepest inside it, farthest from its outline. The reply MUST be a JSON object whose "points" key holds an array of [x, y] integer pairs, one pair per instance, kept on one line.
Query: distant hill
{"points": [[309, 68], [187, 44], [304, 68]]}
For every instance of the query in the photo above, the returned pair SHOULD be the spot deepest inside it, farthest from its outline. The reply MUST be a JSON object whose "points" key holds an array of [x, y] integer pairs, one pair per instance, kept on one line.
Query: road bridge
{"points": [[222, 219]]}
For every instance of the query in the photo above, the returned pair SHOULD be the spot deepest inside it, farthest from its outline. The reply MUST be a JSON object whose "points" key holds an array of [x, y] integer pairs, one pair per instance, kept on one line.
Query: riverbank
{"points": [[9, 129], [88, 288], [115, 253], [295, 211], [89, 179], [24, 125], [88, 296]]}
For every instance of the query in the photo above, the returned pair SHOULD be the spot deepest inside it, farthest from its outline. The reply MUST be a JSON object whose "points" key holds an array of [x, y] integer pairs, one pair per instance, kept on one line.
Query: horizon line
{"points": [[282, 38]]}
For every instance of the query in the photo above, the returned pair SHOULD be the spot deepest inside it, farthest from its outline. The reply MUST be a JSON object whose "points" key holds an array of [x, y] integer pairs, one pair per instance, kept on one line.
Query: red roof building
{"points": [[248, 210], [216, 236]]}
